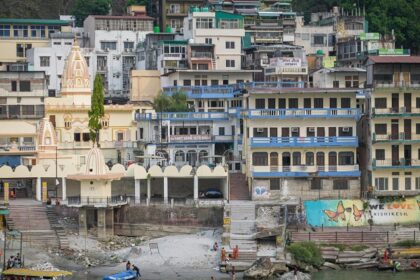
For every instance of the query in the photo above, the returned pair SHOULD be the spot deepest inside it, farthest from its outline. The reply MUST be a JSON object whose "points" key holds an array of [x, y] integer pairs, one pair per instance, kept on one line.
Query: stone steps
{"points": [[238, 187]]}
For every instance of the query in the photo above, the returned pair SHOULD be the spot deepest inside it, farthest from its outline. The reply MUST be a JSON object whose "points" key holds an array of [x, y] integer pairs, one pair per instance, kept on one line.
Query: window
{"points": [[380, 103], [417, 128], [187, 82], [51, 93], [395, 184], [260, 103], [310, 158], [418, 102], [260, 159], [275, 184], [37, 31], [345, 102], [230, 63], [24, 86], [214, 82], [120, 136], [76, 137], [229, 23], [293, 103], [21, 49], [345, 131], [340, 184], [310, 132], [86, 136], [296, 158], [345, 158], [282, 103], [380, 154], [408, 183], [129, 45], [204, 23], [230, 45], [318, 40], [4, 30], [380, 128], [417, 183], [67, 123], [271, 103], [20, 31], [105, 45], [221, 131], [209, 41], [44, 61], [318, 103], [14, 85], [381, 184], [336, 84]]}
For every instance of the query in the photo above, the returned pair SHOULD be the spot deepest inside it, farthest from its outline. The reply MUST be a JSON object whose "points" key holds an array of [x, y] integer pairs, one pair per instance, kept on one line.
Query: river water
{"points": [[364, 275]]}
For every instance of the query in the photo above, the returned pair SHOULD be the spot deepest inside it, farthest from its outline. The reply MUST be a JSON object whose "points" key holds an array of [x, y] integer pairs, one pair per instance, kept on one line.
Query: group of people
{"points": [[225, 258], [129, 266], [14, 261]]}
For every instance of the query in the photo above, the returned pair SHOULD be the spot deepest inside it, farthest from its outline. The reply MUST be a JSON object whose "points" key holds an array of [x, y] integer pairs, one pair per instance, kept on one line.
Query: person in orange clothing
{"points": [[235, 253], [223, 254]]}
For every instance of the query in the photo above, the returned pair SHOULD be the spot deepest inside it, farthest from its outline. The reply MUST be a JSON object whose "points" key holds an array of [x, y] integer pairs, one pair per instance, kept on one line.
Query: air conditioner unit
{"points": [[181, 30], [295, 129], [346, 129], [311, 129], [260, 130]]}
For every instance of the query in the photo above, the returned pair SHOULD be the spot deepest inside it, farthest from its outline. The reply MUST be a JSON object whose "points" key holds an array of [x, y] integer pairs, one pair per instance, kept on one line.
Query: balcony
{"points": [[303, 113], [80, 201], [173, 56], [306, 171], [274, 85], [395, 138], [395, 164], [14, 148], [391, 85], [183, 116], [21, 112], [392, 112], [204, 91], [283, 142], [202, 55]]}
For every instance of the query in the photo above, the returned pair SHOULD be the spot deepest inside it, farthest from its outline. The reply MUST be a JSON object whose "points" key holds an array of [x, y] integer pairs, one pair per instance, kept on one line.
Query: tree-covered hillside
{"points": [[383, 16]]}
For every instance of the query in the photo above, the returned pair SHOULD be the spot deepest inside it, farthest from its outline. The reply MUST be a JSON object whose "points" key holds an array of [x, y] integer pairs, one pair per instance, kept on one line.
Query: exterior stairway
{"points": [[242, 233], [30, 218], [59, 230], [238, 187]]}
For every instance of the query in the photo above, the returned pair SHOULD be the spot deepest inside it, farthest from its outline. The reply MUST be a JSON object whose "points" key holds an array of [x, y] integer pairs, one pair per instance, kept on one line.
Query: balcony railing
{"points": [[275, 85], [350, 141], [395, 163], [173, 55], [402, 84], [183, 116], [207, 55], [12, 147], [395, 137], [395, 111], [21, 111], [307, 170], [303, 113], [204, 91], [97, 201]]}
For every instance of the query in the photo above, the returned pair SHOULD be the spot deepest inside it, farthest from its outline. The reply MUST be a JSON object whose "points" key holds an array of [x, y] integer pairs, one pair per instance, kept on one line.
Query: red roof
{"points": [[395, 59], [142, 17]]}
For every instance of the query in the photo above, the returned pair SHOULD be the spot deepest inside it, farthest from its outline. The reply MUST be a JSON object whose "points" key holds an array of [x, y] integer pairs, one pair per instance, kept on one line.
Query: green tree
{"points": [[97, 110], [84, 8], [175, 103]]}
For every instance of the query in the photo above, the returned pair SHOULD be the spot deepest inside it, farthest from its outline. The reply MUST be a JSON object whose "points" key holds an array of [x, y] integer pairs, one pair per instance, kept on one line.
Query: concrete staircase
{"points": [[238, 187], [59, 230], [242, 233], [30, 218]]}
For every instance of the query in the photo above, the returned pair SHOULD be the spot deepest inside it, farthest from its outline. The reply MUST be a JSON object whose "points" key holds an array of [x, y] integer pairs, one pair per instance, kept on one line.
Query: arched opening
{"points": [[192, 157], [274, 159], [310, 161], [179, 156]]}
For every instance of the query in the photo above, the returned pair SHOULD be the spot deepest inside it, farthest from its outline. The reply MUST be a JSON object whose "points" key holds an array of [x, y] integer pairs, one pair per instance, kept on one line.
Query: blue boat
{"points": [[126, 275]]}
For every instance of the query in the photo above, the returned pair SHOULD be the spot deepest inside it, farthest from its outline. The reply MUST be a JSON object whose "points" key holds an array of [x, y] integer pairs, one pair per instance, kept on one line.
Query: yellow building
{"points": [[19, 35], [301, 142], [69, 116], [394, 124]]}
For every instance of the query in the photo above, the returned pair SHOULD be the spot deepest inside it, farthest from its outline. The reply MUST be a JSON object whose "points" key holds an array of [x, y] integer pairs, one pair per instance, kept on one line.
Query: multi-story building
{"points": [[151, 48], [21, 108], [300, 142], [20, 35], [338, 77], [395, 124], [353, 51], [114, 41], [171, 13]]}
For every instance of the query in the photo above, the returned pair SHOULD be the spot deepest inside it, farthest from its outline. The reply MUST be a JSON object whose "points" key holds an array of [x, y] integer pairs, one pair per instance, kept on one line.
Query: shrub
{"points": [[407, 243], [306, 252]]}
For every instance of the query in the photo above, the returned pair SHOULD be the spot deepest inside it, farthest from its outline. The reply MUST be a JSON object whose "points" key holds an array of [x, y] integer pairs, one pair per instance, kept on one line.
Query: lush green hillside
{"points": [[383, 16]]}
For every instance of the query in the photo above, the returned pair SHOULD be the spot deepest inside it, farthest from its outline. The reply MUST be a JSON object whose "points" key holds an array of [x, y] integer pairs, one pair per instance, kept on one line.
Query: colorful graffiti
{"points": [[333, 213]]}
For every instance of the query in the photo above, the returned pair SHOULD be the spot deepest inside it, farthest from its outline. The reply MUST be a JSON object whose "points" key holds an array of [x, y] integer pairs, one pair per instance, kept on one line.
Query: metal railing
{"points": [[401, 84], [305, 112], [304, 141], [306, 168], [402, 162], [402, 136], [88, 200], [201, 55], [192, 116]]}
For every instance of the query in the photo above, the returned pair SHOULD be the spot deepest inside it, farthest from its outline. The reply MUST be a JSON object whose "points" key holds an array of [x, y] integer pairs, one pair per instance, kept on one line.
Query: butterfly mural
{"points": [[338, 214], [357, 213]]}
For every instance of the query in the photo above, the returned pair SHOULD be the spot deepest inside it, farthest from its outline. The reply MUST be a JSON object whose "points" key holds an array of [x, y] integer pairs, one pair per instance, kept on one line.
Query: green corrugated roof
{"points": [[227, 15], [33, 21], [174, 42]]}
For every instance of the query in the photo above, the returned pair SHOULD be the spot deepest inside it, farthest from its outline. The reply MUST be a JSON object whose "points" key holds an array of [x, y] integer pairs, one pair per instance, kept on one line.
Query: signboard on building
{"points": [[333, 213], [329, 61], [285, 62], [391, 51], [369, 36]]}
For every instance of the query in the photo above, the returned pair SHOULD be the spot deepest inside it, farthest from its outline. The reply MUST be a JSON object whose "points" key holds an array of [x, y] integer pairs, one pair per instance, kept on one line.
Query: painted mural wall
{"points": [[333, 213]]}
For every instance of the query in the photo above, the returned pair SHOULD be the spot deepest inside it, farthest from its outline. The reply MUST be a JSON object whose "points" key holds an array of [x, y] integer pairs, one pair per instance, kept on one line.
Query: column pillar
{"points": [[165, 189], [82, 221], [195, 187], [64, 189], [149, 183], [101, 223], [38, 189], [137, 189]]}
